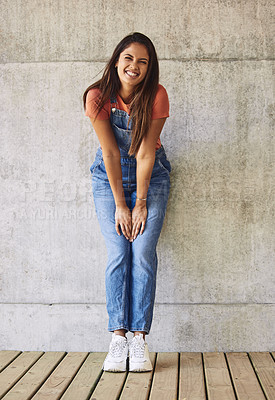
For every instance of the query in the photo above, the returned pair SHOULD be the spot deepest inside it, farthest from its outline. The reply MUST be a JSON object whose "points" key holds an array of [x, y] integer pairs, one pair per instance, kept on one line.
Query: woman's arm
{"points": [[145, 161], [111, 157]]}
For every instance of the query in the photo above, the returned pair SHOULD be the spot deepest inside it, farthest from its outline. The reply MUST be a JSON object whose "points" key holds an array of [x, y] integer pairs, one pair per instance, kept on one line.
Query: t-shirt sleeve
{"points": [[92, 101], [161, 104]]}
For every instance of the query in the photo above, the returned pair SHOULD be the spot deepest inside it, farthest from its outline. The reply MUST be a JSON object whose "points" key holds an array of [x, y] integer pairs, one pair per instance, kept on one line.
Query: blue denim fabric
{"points": [[130, 276]]}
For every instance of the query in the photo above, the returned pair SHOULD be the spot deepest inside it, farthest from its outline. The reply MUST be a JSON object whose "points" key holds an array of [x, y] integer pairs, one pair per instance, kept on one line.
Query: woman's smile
{"points": [[132, 74]]}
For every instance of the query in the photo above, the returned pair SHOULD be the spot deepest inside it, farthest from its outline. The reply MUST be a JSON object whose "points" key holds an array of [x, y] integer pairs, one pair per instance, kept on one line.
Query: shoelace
{"points": [[117, 347], [138, 347]]}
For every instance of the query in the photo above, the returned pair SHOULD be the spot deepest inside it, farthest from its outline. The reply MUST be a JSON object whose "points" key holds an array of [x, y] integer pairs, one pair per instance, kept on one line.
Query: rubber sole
{"points": [[114, 367], [140, 367]]}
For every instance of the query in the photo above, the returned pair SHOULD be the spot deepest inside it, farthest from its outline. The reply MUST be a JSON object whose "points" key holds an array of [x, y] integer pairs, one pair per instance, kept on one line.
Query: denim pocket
{"points": [[165, 164], [95, 164], [123, 137]]}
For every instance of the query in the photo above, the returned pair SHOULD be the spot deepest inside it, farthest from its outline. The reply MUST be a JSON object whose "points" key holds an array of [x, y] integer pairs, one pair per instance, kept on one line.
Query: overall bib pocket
{"points": [[123, 137]]}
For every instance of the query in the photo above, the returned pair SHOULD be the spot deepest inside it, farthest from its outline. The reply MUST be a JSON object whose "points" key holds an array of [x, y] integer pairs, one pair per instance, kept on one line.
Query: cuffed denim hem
{"points": [[117, 328], [136, 330]]}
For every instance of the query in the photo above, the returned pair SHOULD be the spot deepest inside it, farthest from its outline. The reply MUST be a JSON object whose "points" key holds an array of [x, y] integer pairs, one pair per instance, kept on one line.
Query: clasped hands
{"points": [[131, 223]]}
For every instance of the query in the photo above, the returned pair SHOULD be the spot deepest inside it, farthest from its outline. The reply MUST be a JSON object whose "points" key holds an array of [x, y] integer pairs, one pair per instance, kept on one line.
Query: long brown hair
{"points": [[144, 93]]}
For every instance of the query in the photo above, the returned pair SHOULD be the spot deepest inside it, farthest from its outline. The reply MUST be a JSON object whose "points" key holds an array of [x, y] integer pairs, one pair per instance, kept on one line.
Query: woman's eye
{"points": [[129, 58]]}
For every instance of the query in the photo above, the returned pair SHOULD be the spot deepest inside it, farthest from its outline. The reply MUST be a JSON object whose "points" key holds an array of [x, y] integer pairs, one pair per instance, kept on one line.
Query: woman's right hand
{"points": [[123, 218]]}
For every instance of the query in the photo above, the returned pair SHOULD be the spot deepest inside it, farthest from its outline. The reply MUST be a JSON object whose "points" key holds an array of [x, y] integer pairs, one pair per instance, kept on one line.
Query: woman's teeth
{"points": [[131, 73]]}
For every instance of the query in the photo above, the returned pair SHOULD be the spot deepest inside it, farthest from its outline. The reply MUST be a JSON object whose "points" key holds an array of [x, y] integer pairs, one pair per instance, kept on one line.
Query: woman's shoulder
{"points": [[161, 95], [93, 94], [161, 103], [93, 102], [161, 88]]}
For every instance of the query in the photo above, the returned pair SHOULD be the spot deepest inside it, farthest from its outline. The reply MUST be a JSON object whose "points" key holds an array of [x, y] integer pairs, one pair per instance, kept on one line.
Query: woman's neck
{"points": [[125, 95]]}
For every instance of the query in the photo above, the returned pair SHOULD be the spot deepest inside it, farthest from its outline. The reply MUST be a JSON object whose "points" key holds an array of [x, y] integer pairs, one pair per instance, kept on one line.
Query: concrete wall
{"points": [[215, 284]]}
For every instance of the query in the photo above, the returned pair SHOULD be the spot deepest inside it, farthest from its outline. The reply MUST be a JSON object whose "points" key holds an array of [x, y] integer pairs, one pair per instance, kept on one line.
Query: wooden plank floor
{"points": [[176, 376]]}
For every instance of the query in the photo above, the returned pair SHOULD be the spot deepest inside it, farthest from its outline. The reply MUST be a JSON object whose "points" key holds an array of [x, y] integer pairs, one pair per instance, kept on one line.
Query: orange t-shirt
{"points": [[160, 106]]}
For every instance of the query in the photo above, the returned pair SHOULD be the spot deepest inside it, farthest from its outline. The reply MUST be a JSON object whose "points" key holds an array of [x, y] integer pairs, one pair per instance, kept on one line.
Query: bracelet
{"points": [[141, 199]]}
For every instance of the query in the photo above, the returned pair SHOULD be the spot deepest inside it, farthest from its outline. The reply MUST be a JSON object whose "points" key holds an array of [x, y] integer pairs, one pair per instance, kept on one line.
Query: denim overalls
{"points": [[130, 275]]}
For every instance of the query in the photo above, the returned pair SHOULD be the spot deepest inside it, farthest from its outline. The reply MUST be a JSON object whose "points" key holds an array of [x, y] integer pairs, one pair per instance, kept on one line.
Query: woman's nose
{"points": [[133, 64]]}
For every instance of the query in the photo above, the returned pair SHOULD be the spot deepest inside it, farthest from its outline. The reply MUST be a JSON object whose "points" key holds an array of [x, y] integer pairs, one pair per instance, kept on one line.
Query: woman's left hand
{"points": [[139, 215]]}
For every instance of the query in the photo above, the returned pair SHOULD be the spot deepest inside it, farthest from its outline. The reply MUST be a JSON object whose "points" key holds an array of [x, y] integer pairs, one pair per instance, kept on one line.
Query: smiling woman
{"points": [[131, 183], [142, 93]]}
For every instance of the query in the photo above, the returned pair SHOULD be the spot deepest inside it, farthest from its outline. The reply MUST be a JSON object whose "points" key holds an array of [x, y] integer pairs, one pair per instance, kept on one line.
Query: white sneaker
{"points": [[115, 360], [139, 359]]}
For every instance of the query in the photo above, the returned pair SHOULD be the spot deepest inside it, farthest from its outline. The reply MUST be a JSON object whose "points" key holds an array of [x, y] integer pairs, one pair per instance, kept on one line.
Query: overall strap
{"points": [[113, 100]]}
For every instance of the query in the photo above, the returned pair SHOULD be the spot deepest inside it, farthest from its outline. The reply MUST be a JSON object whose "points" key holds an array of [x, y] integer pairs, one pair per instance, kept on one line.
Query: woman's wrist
{"points": [[141, 203], [121, 204], [141, 198]]}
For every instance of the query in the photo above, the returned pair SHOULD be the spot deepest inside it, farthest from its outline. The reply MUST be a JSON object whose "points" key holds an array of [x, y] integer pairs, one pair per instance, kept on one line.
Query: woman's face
{"points": [[132, 65]]}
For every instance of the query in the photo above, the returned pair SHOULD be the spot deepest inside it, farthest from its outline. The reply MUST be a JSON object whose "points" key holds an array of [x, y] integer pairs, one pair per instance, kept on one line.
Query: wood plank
{"points": [[7, 356], [138, 385], [165, 380], [191, 380], [35, 376], [14, 371], [86, 379], [244, 379], [218, 382], [109, 386], [273, 354], [265, 369], [61, 377]]}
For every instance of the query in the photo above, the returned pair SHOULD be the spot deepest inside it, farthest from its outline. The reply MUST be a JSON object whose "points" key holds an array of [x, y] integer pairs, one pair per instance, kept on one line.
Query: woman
{"points": [[130, 181]]}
